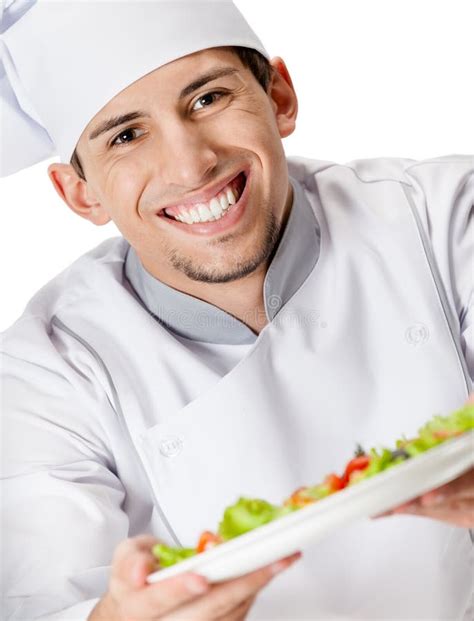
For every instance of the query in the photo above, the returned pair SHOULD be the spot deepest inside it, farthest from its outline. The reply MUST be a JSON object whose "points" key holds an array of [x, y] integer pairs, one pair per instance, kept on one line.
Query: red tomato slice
{"points": [[334, 482], [208, 540], [358, 463]]}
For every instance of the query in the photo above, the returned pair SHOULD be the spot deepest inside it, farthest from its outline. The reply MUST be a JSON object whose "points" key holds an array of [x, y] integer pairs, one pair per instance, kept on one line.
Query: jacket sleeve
{"points": [[62, 515], [443, 196]]}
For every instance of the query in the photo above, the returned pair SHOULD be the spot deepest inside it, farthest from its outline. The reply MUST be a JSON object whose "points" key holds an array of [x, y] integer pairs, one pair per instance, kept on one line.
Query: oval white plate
{"points": [[368, 498]]}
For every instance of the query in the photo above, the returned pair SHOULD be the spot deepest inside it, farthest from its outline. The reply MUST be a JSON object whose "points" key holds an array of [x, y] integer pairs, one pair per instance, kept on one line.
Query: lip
{"points": [[233, 215], [206, 195]]}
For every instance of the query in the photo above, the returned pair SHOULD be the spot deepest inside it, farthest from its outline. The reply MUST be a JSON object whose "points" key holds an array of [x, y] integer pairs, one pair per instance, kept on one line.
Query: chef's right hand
{"points": [[184, 597]]}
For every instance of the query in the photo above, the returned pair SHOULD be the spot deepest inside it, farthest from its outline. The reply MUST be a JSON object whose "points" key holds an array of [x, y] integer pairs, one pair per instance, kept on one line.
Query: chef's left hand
{"points": [[452, 503]]}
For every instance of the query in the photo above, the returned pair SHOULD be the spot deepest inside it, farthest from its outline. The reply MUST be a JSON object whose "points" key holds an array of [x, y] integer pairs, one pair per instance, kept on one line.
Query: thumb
{"points": [[133, 561]]}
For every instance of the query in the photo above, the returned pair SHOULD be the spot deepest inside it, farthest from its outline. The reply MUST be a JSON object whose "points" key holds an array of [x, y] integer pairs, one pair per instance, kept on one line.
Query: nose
{"points": [[187, 157]]}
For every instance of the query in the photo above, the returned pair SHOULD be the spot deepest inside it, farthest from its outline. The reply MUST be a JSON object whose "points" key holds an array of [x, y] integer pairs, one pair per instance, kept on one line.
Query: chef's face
{"points": [[196, 179]]}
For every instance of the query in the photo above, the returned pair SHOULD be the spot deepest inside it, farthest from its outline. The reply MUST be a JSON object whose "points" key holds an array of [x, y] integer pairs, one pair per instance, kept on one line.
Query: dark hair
{"points": [[253, 60]]}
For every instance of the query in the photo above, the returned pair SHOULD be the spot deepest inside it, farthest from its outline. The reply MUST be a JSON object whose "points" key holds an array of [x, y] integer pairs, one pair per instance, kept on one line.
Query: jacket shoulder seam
{"points": [[394, 179]]}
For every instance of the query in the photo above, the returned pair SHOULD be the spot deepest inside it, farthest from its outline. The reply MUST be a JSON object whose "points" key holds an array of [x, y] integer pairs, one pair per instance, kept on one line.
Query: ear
{"points": [[283, 97], [76, 193]]}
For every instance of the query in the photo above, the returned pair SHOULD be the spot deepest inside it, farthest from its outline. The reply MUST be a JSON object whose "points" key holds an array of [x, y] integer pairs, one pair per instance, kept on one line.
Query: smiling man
{"points": [[258, 316]]}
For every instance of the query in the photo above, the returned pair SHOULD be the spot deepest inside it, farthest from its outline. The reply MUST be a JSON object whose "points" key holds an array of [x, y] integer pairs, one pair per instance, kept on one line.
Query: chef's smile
{"points": [[212, 211]]}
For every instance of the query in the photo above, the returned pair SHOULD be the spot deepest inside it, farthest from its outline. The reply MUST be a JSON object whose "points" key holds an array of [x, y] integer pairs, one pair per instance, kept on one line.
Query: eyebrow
{"points": [[205, 78], [121, 119], [115, 121]]}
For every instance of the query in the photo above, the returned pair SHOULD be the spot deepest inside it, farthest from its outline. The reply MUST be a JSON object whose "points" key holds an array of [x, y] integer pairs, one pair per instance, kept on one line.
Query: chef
{"points": [[257, 317]]}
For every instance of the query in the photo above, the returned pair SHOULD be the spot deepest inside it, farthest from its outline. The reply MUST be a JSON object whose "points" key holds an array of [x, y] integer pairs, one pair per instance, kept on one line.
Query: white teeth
{"points": [[186, 217], [193, 212], [214, 210], [215, 207], [204, 212], [230, 196], [224, 203]]}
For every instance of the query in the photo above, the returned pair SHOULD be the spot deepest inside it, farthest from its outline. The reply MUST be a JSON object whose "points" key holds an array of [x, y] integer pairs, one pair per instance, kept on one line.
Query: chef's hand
{"points": [[452, 503], [184, 597]]}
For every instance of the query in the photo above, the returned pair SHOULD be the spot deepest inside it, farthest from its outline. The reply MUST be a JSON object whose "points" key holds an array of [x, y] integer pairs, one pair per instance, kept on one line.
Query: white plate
{"points": [[368, 498]]}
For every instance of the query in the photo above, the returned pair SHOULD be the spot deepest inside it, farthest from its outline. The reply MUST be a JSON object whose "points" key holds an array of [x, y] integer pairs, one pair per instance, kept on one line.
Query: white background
{"points": [[374, 78]]}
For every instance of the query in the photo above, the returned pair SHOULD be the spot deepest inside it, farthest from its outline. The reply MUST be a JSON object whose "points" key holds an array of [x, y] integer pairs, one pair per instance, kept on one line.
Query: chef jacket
{"points": [[114, 427]]}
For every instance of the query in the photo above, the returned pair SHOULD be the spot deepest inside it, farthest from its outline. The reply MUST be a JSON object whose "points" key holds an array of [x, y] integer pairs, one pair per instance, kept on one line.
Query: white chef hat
{"points": [[61, 61]]}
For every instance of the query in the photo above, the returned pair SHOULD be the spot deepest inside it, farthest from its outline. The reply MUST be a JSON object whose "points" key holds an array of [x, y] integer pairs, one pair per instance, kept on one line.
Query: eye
{"points": [[207, 100], [122, 138]]}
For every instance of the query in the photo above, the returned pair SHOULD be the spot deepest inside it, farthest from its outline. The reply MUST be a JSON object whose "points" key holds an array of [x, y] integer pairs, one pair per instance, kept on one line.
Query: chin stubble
{"points": [[241, 268]]}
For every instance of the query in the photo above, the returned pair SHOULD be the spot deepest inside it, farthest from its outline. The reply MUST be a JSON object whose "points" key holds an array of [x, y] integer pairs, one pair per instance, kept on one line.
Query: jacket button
{"points": [[417, 334], [171, 446]]}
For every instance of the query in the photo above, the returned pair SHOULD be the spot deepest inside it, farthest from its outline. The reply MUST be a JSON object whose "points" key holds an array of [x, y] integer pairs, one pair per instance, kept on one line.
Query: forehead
{"points": [[168, 80]]}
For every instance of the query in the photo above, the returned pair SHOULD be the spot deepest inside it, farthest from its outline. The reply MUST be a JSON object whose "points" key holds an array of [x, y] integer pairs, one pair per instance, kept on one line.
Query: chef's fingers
{"points": [[462, 486], [459, 490], [458, 511], [458, 495], [240, 613], [152, 602], [131, 595], [156, 600], [226, 597]]}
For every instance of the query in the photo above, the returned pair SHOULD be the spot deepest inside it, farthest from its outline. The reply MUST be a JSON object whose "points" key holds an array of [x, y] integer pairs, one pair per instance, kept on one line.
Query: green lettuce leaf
{"points": [[170, 556], [438, 430], [247, 514]]}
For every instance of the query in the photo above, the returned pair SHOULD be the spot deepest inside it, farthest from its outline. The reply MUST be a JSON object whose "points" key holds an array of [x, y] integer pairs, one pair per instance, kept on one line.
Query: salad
{"points": [[250, 513]]}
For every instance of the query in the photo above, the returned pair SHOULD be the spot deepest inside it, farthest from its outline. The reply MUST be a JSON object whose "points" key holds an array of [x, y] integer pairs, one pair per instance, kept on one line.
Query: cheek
{"points": [[256, 132], [261, 140], [123, 189], [250, 125]]}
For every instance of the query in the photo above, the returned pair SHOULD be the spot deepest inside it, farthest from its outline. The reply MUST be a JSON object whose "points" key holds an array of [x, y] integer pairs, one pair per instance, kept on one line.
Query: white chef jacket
{"points": [[75, 479]]}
